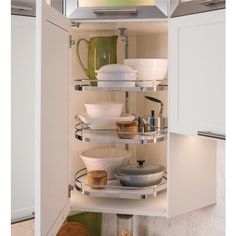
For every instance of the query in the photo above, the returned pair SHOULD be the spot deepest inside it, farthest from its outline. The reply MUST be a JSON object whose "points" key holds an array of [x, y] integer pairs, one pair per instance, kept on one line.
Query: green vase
{"points": [[101, 51]]}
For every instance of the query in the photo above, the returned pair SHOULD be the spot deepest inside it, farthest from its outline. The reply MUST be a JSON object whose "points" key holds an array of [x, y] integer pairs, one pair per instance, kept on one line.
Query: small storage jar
{"points": [[124, 225], [126, 129]]}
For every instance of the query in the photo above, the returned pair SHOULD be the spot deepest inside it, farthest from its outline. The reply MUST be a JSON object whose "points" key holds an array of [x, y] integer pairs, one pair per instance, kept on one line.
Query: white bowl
{"points": [[146, 62], [108, 159], [149, 70], [104, 123], [102, 110], [115, 68]]}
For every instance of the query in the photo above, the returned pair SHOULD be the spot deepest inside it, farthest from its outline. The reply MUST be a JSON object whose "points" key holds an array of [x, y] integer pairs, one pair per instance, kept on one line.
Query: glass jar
{"points": [[124, 225]]}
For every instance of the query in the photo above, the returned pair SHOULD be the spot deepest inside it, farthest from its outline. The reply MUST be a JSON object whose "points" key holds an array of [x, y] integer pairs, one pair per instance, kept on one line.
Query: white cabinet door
{"points": [[197, 73], [52, 78], [22, 122]]}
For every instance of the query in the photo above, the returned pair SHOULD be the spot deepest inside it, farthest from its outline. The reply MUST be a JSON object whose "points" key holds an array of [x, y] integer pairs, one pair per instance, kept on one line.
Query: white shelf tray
{"points": [[84, 85], [114, 189], [110, 136]]}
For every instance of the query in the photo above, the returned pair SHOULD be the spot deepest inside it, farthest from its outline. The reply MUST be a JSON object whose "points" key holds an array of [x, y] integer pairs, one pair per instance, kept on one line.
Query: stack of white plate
{"points": [[116, 75], [151, 72]]}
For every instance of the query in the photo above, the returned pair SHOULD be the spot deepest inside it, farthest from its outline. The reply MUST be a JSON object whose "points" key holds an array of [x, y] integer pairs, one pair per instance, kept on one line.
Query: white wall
{"points": [[208, 221], [22, 168]]}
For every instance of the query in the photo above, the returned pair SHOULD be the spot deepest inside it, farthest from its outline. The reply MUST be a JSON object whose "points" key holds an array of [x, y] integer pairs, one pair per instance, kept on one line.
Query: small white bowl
{"points": [[101, 110], [108, 159]]}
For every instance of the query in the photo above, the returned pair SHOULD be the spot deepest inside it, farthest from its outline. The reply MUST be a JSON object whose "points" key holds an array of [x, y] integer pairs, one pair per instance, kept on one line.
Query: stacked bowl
{"points": [[150, 71], [104, 115], [116, 75]]}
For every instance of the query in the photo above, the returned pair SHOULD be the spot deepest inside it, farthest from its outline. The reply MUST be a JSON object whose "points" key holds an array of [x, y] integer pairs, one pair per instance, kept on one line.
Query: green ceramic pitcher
{"points": [[101, 51]]}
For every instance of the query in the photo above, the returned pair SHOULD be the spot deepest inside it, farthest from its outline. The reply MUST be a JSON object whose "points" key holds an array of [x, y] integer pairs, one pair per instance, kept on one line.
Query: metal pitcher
{"points": [[101, 51]]}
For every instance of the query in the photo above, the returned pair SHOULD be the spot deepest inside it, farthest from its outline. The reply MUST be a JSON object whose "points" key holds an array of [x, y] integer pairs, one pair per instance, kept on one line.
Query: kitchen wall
{"points": [[208, 221], [22, 122]]}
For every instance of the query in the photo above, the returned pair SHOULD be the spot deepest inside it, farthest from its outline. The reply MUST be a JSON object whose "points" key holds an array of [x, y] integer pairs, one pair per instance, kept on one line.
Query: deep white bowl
{"points": [[101, 110], [149, 70], [108, 159], [146, 62]]}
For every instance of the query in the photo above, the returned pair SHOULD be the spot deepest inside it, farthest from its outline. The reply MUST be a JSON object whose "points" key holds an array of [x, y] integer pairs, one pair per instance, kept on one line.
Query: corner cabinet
{"points": [[190, 161], [197, 74]]}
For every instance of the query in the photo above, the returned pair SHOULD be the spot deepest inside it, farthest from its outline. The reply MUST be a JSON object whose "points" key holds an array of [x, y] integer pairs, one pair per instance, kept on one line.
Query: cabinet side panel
{"points": [[191, 174]]}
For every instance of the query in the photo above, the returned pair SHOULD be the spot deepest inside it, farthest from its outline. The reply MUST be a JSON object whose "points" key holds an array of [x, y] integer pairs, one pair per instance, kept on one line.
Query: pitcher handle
{"points": [[78, 56]]}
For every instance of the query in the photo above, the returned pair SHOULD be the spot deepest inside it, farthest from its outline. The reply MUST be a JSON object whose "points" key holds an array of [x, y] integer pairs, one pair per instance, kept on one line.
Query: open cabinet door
{"points": [[52, 161]]}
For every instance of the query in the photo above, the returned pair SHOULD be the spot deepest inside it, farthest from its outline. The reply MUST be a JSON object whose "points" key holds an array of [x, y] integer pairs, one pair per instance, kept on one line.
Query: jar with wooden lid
{"points": [[126, 129], [124, 225], [96, 178]]}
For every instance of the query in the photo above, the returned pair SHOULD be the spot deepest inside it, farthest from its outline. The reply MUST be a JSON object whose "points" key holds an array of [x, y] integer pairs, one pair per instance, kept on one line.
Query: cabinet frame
{"points": [[179, 175]]}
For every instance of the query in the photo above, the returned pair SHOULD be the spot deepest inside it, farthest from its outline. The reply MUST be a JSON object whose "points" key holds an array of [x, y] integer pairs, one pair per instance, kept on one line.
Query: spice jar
{"points": [[126, 129], [124, 225]]}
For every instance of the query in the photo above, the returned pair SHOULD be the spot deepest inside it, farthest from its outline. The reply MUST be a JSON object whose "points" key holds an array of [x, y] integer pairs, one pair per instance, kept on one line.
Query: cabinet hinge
{"points": [[72, 41], [70, 188]]}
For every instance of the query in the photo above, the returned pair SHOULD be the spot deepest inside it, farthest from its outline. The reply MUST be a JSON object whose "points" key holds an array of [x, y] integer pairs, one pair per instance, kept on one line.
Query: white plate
{"points": [[104, 123], [112, 84]]}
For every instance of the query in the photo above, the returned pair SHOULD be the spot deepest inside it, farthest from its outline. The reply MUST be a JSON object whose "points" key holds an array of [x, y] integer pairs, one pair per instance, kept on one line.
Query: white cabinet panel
{"points": [[22, 122], [197, 73], [52, 161], [191, 174]]}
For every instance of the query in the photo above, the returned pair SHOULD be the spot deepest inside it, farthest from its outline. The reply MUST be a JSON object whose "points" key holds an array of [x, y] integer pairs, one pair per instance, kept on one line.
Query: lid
{"points": [[73, 229], [140, 169], [111, 68], [97, 173], [124, 216]]}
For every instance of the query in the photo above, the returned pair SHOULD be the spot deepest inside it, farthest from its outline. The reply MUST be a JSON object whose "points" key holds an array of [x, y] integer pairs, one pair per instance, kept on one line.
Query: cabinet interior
{"points": [[146, 40]]}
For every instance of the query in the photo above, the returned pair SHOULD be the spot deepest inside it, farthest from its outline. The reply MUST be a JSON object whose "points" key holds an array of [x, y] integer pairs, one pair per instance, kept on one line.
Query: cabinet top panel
{"points": [[133, 28]]}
